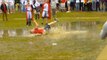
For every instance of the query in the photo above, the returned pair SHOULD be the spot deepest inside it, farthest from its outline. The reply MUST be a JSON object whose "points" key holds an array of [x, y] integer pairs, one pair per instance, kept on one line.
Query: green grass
{"points": [[82, 16], [18, 19], [41, 48]]}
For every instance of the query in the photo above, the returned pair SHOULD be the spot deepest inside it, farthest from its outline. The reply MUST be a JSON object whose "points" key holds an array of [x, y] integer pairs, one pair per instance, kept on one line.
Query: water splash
{"points": [[12, 33], [1, 33], [59, 31]]}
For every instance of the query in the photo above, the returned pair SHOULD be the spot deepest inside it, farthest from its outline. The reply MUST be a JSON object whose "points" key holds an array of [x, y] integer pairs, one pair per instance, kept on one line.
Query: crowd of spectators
{"points": [[62, 5]]}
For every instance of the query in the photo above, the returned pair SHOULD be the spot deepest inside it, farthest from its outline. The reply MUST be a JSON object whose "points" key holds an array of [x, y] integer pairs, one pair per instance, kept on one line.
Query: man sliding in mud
{"points": [[40, 31], [37, 29]]}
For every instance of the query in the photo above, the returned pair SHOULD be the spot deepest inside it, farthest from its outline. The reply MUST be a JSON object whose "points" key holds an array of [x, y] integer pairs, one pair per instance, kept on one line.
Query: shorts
{"points": [[29, 15], [62, 6], [45, 14]]}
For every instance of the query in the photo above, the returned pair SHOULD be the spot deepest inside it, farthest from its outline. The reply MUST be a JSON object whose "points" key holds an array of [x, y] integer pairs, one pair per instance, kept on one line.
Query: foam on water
{"points": [[12, 33], [1, 33]]}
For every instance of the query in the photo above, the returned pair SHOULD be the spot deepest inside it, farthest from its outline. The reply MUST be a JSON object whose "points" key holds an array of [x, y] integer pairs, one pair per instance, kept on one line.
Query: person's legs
{"points": [[98, 6], [6, 16], [85, 7], [71, 6], [93, 5], [9, 8], [43, 17], [54, 13], [105, 6], [46, 15], [30, 17], [3, 16], [22, 5], [77, 6], [66, 6], [90, 6]]}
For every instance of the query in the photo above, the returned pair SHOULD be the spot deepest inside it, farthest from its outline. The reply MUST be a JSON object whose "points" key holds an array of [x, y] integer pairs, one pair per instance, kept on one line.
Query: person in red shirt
{"points": [[4, 11]]}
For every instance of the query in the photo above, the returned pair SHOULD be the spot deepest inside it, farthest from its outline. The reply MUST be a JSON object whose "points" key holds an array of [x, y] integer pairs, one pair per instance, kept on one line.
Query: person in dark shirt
{"points": [[4, 11]]}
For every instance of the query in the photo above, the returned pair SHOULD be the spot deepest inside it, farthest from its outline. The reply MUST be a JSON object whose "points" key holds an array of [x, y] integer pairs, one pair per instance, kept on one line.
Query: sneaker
{"points": [[47, 27]]}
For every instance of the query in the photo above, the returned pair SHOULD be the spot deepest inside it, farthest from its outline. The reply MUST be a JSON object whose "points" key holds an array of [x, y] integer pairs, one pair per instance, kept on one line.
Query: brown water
{"points": [[78, 29]]}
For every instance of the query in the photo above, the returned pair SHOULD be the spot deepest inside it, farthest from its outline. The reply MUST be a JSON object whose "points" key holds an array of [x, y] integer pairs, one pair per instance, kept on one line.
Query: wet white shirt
{"points": [[37, 4], [45, 7]]}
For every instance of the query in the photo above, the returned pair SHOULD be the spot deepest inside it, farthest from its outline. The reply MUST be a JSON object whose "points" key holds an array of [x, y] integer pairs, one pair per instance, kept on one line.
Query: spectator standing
{"points": [[89, 5], [22, 5], [82, 5], [102, 6], [0, 5], [94, 5], [98, 5], [85, 5], [72, 4], [105, 2], [28, 14], [11, 6], [77, 5], [46, 11], [53, 7], [4, 11]]}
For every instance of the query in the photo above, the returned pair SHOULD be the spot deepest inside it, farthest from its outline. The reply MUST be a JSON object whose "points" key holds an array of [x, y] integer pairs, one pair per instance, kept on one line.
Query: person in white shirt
{"points": [[11, 6], [82, 5], [22, 5], [28, 14], [98, 5], [77, 5], [45, 13]]}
